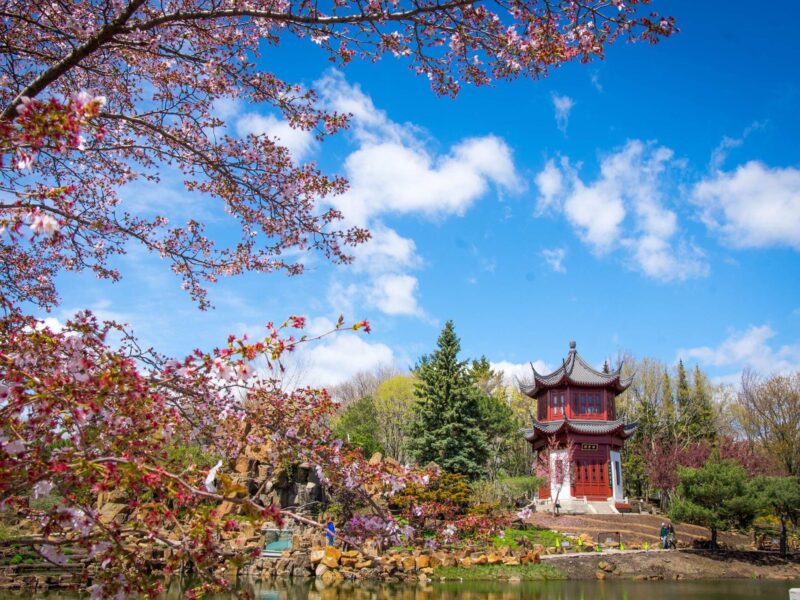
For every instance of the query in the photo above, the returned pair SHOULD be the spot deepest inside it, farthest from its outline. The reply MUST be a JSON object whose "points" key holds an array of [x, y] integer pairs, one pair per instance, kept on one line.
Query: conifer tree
{"points": [[701, 423], [683, 395], [448, 429], [667, 407]]}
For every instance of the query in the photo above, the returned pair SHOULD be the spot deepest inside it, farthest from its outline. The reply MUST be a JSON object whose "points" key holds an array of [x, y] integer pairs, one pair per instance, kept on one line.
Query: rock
{"points": [[423, 561], [242, 465], [605, 566], [348, 561], [352, 554], [113, 511], [409, 563], [331, 577], [600, 575], [364, 564], [321, 570], [331, 558], [510, 560], [493, 559], [465, 562], [375, 459], [316, 556]]}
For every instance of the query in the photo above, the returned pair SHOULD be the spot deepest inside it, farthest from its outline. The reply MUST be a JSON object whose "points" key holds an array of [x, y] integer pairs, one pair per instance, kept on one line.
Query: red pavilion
{"points": [[575, 404]]}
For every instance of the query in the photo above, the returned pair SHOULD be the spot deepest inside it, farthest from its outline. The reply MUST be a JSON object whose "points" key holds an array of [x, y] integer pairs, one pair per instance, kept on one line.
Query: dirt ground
{"points": [[635, 529], [677, 564]]}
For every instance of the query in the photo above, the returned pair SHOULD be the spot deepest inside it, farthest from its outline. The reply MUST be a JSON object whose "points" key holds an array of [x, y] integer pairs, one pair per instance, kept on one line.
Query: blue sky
{"points": [[649, 203]]}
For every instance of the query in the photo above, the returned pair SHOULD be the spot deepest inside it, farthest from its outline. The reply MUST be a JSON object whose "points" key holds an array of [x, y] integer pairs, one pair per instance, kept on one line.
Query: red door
{"points": [[591, 480]]}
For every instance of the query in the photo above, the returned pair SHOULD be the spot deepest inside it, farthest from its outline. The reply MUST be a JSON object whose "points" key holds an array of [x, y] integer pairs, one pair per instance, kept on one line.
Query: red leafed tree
{"points": [[155, 71], [81, 420], [664, 457], [554, 465]]}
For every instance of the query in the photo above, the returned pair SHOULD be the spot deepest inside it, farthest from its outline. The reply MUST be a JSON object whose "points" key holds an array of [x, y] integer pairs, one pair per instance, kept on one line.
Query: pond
{"points": [[550, 590]]}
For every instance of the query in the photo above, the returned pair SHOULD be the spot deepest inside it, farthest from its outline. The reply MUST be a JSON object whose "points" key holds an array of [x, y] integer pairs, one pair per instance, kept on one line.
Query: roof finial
{"points": [[572, 345]]}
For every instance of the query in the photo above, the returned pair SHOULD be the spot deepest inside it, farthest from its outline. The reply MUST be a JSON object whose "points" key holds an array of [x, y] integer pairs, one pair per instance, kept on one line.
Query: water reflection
{"points": [[556, 590], [553, 590]]}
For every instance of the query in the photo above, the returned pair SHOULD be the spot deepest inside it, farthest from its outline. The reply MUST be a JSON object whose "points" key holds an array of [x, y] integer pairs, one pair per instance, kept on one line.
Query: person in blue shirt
{"points": [[331, 530]]}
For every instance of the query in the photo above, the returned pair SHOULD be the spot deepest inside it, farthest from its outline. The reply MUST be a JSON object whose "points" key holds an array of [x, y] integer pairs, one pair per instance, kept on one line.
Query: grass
{"points": [[545, 537], [528, 572]]}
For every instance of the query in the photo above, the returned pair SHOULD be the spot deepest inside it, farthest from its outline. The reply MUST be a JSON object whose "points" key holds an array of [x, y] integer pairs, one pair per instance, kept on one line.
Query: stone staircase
{"points": [[578, 506]]}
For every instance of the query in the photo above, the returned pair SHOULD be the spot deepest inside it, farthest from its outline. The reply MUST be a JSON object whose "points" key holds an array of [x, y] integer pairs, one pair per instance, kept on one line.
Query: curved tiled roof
{"points": [[576, 371], [541, 428]]}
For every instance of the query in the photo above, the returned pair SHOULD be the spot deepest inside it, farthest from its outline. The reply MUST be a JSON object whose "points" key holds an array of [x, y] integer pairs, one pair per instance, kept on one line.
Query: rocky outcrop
{"points": [[331, 565]]}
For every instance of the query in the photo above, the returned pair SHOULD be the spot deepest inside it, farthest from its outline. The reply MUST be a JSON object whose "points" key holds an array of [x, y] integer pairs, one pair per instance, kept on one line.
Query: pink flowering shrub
{"points": [[83, 419]]}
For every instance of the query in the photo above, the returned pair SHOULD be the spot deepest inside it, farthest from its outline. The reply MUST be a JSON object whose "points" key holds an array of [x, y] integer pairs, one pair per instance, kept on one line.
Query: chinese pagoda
{"points": [[576, 409]]}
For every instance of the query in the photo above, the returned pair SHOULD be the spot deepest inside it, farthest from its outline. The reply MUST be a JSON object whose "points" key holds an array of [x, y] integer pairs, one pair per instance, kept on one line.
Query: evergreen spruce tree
{"points": [[667, 408], [448, 430], [683, 395], [701, 425]]}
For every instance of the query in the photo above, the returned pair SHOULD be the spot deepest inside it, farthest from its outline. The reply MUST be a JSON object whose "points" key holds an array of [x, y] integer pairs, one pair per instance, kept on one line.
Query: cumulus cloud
{"points": [[337, 359], [625, 208], [754, 206], [550, 183], [748, 349], [394, 170], [386, 251], [513, 372], [395, 294], [299, 142], [554, 257], [563, 106], [390, 177]]}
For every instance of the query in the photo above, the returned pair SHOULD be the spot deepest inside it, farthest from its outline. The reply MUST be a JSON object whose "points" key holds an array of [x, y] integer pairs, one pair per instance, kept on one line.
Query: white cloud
{"points": [[336, 359], [750, 348], [754, 206], [551, 185], [554, 257], [385, 251], [595, 77], [299, 142], [395, 295], [631, 186], [522, 372], [396, 170], [390, 177], [562, 105], [720, 153]]}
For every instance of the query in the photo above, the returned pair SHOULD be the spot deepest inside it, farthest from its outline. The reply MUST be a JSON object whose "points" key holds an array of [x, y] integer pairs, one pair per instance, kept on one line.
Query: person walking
{"points": [[672, 538], [330, 532], [664, 533]]}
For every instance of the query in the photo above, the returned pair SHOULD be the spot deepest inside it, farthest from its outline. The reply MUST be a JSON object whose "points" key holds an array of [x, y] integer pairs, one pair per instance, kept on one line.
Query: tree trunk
{"points": [[713, 538], [783, 538]]}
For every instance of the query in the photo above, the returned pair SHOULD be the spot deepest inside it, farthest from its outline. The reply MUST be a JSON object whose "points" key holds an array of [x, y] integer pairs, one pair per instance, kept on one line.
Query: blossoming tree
{"points": [[159, 67], [106, 92]]}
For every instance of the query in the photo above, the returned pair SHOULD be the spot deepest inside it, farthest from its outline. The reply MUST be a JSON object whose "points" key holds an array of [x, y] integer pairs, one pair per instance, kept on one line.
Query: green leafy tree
{"points": [[780, 497], [448, 430], [485, 378], [394, 413], [357, 425], [716, 495], [501, 428]]}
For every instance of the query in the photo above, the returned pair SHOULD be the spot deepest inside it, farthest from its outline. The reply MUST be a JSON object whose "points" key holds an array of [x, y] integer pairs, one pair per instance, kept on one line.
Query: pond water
{"points": [[551, 590]]}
